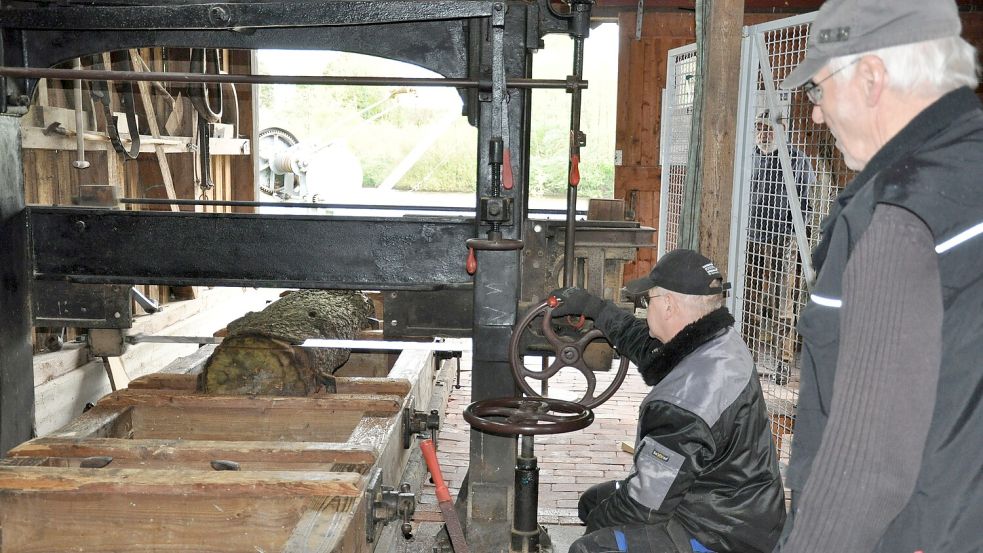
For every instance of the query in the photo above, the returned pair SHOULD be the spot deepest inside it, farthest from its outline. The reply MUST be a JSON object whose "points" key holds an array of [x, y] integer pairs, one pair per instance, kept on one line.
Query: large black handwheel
{"points": [[527, 416], [569, 353]]}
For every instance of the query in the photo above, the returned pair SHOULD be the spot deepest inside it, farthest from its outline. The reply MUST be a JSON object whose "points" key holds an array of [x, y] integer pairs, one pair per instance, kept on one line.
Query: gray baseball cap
{"points": [[844, 27]]}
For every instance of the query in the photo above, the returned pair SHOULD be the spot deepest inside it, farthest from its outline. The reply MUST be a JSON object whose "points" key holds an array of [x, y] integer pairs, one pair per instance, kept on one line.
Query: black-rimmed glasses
{"points": [[644, 300], [814, 91]]}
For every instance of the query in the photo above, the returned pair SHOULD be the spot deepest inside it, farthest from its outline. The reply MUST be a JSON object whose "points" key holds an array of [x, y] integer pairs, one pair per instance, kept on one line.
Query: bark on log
{"points": [[260, 356]]}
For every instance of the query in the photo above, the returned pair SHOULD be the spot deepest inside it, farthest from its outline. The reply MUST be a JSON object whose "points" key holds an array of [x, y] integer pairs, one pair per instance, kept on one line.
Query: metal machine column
{"points": [[16, 369], [488, 495]]}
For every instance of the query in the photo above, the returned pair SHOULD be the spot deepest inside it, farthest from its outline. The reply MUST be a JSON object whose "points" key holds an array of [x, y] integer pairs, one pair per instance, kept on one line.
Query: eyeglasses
{"points": [[812, 89], [644, 300]]}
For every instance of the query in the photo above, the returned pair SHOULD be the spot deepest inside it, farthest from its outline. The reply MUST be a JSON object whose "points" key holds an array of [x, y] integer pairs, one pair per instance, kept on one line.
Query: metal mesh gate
{"points": [[677, 116], [787, 172]]}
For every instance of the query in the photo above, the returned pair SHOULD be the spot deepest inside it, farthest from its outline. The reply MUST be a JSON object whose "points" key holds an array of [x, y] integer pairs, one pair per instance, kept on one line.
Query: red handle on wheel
{"points": [[430, 456]]}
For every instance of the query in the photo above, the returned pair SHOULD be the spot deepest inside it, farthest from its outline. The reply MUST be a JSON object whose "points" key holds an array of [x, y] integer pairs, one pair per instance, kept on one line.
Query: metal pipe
{"points": [[568, 247], [525, 526], [103, 75], [79, 162], [245, 203]]}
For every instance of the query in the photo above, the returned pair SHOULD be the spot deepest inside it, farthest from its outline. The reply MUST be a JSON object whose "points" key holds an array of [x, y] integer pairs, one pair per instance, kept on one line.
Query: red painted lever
{"points": [[430, 456], [507, 181], [574, 170]]}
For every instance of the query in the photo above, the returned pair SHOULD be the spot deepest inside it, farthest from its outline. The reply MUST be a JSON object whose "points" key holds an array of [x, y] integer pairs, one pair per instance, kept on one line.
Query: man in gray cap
{"points": [[705, 475], [888, 451]]}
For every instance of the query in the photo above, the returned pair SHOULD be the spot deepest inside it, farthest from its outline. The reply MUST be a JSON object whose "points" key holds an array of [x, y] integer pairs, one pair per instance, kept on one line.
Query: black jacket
{"points": [[932, 169], [703, 452]]}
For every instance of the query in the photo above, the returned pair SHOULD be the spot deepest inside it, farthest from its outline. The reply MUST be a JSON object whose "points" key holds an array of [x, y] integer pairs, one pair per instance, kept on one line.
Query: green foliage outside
{"points": [[382, 125]]}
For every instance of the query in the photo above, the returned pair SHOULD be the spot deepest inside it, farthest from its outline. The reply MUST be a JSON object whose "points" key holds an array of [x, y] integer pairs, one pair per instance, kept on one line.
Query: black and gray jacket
{"points": [[703, 452]]}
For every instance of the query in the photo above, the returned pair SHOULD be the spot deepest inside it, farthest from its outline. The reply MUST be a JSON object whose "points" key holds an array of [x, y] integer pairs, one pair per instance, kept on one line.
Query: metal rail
{"points": [[308, 205], [569, 84]]}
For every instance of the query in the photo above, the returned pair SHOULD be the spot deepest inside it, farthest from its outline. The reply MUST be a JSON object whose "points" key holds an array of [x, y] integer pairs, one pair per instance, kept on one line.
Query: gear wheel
{"points": [[273, 141]]}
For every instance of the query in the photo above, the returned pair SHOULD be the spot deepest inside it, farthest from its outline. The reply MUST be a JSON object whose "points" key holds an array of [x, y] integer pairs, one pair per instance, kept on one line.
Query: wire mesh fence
{"points": [[787, 174], [677, 120]]}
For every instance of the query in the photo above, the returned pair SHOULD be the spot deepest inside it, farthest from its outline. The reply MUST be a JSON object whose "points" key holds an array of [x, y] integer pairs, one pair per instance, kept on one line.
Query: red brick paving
{"points": [[569, 463]]}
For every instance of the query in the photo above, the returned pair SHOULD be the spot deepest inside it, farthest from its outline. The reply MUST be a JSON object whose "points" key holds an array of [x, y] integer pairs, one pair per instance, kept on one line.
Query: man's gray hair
{"points": [[930, 67], [697, 306]]}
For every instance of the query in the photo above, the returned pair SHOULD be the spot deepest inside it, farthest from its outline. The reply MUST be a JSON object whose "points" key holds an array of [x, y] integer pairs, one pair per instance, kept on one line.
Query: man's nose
{"points": [[817, 115]]}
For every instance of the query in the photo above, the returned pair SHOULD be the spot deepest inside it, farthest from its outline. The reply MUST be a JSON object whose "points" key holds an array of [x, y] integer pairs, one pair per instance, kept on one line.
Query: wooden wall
{"points": [[641, 78], [50, 178]]}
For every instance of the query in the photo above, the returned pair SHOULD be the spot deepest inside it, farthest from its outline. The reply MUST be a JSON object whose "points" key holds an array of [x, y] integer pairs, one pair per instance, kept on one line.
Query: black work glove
{"points": [[576, 301]]}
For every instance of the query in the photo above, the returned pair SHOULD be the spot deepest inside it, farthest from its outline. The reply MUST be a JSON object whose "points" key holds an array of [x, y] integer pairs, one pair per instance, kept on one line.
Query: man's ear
{"points": [[873, 79]]}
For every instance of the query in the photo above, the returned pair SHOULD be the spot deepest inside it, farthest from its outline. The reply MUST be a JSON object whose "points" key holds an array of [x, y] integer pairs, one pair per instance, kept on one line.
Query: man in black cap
{"points": [[888, 450], [705, 475]]}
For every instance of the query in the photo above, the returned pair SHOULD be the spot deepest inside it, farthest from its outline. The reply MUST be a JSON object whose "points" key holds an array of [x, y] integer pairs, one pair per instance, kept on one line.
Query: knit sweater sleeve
{"points": [[884, 392]]}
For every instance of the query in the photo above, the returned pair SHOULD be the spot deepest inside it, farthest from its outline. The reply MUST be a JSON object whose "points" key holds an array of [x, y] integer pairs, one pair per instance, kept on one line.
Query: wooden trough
{"points": [[163, 467]]}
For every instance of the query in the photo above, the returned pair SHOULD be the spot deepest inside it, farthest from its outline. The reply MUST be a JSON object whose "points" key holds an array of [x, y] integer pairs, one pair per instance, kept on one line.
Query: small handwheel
{"points": [[569, 353], [527, 416]]}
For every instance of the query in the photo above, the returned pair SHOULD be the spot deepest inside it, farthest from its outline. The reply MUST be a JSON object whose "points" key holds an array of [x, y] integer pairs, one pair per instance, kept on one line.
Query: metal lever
{"points": [[79, 163]]}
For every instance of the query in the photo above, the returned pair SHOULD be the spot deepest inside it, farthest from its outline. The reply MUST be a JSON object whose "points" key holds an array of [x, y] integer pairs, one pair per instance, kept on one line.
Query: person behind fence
{"points": [[888, 452], [705, 474], [771, 300]]}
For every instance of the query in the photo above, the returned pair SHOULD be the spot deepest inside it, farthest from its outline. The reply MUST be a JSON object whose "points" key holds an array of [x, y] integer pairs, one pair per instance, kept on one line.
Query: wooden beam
{"points": [[35, 139], [723, 53], [185, 451], [224, 483], [372, 405], [151, 113]]}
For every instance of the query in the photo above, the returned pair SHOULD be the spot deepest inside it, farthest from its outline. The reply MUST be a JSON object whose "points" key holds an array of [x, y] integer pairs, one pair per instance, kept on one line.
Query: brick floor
{"points": [[569, 463]]}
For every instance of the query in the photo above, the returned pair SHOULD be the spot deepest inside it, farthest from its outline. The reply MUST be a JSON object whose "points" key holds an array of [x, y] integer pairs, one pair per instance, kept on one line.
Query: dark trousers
{"points": [[663, 537]]}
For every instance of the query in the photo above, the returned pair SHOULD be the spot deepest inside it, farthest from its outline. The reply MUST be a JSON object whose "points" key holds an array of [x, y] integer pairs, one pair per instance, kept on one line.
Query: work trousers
{"points": [[662, 537]]}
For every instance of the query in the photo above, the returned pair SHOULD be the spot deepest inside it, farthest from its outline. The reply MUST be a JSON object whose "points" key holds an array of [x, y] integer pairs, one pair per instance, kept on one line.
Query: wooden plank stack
{"points": [[164, 467]]}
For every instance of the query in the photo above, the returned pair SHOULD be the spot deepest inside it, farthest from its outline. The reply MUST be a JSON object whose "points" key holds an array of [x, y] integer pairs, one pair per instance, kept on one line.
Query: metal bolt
{"points": [[117, 315], [393, 322], [80, 225], [219, 15]]}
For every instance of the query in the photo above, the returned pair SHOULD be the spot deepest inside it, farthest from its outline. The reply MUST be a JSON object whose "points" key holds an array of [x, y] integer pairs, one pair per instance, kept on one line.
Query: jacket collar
{"points": [[931, 121], [691, 337]]}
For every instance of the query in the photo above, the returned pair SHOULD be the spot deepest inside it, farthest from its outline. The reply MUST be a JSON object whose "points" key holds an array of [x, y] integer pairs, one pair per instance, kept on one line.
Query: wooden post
{"points": [[723, 61]]}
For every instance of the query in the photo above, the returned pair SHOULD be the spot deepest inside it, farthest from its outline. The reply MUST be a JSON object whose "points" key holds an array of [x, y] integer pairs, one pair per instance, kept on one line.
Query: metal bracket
{"points": [[384, 504], [419, 422]]}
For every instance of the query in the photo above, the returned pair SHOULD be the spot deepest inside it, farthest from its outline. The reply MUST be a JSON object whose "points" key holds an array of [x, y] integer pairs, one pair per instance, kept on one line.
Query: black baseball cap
{"points": [[683, 271]]}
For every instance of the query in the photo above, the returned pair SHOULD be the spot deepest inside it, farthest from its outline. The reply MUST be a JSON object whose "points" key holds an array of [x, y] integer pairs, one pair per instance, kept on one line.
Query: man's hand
{"points": [[576, 301]]}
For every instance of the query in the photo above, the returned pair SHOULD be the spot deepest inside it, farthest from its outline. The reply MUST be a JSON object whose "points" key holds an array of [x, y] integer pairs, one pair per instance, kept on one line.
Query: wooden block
{"points": [[118, 378], [599, 209], [628, 447]]}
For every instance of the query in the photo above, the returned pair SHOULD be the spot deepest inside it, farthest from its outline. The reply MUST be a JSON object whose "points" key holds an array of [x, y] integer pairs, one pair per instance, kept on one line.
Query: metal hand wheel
{"points": [[527, 416], [569, 353]]}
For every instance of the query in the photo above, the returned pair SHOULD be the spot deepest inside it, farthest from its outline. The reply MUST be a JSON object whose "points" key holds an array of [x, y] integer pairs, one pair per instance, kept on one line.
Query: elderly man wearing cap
{"points": [[705, 475], [888, 451]]}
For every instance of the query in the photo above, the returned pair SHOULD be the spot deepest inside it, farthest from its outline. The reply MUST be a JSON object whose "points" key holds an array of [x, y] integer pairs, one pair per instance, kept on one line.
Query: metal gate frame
{"points": [[674, 143], [755, 62]]}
